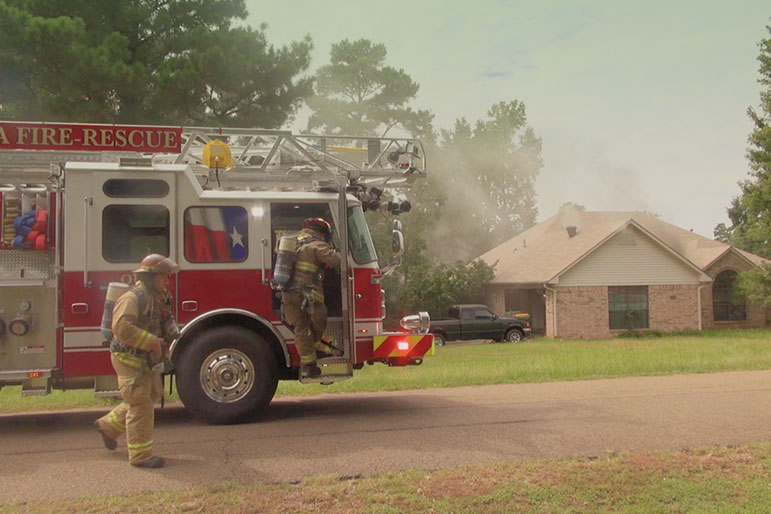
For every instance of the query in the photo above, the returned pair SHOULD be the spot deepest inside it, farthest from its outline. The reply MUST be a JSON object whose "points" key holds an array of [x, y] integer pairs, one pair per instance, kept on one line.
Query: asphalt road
{"points": [[59, 455]]}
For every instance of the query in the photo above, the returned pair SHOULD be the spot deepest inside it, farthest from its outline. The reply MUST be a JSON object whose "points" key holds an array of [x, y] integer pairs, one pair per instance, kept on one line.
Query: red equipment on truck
{"points": [[82, 204]]}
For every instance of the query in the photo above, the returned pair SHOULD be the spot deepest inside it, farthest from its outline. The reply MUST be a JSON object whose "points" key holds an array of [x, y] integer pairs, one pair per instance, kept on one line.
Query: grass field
{"points": [[705, 480], [537, 360]]}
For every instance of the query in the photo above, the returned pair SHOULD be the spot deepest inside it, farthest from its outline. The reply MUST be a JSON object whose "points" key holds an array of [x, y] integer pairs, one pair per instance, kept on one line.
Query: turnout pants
{"points": [[135, 415], [308, 328]]}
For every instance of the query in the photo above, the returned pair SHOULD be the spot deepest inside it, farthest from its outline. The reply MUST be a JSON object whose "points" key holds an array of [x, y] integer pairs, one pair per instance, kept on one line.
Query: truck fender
{"points": [[229, 316]]}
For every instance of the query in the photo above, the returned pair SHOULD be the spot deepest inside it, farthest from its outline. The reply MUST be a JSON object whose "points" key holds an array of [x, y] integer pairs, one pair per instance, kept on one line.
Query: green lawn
{"points": [[537, 360]]}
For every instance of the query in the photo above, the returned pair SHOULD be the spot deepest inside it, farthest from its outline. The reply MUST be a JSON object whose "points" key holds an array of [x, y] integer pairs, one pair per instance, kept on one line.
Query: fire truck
{"points": [[83, 203]]}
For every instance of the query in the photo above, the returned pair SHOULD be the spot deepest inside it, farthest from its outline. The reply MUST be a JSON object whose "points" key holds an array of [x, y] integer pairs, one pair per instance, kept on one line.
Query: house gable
{"points": [[730, 260], [630, 257]]}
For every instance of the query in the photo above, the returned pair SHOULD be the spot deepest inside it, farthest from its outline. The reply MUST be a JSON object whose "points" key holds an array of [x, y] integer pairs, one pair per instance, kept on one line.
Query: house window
{"points": [[728, 304], [628, 307]]}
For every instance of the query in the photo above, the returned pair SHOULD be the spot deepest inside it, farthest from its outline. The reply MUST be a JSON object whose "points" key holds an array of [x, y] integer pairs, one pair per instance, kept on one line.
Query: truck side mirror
{"points": [[397, 243], [397, 246]]}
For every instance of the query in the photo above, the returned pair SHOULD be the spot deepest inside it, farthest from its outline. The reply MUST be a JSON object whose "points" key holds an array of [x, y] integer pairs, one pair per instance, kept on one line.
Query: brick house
{"points": [[595, 274]]}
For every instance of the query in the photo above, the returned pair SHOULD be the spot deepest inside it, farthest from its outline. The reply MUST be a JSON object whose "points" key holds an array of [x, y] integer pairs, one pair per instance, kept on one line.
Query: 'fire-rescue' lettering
{"points": [[63, 136]]}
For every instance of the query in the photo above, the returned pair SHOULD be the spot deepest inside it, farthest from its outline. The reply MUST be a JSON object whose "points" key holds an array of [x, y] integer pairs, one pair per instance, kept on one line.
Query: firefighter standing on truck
{"points": [[302, 301], [142, 322]]}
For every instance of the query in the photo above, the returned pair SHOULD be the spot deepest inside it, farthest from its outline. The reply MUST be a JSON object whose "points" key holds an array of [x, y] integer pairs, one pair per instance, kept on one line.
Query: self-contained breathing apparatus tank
{"points": [[285, 260], [114, 291]]}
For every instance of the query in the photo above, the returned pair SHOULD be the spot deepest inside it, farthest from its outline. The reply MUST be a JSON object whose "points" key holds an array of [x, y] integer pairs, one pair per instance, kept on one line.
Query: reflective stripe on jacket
{"points": [[313, 253], [134, 328]]}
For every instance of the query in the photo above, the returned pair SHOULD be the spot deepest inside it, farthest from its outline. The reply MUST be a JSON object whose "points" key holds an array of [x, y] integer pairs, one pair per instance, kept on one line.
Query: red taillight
{"points": [[34, 374]]}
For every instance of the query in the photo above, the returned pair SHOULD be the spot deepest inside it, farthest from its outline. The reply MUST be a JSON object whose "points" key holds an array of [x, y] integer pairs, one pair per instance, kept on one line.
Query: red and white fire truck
{"points": [[83, 203]]}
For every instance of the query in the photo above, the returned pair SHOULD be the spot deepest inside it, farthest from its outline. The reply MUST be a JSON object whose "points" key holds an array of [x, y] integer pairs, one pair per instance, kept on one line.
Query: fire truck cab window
{"points": [[216, 234], [129, 232], [135, 188], [362, 247], [287, 219]]}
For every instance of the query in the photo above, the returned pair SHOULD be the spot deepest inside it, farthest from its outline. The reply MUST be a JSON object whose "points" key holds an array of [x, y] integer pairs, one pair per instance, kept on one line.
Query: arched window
{"points": [[728, 304]]}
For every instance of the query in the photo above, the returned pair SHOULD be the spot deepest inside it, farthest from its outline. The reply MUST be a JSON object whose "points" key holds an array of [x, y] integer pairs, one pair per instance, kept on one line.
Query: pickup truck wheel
{"points": [[439, 339], [227, 375], [513, 336]]}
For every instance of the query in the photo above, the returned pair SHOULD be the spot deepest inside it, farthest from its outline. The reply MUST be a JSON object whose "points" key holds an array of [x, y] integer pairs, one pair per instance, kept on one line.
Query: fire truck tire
{"points": [[227, 375]]}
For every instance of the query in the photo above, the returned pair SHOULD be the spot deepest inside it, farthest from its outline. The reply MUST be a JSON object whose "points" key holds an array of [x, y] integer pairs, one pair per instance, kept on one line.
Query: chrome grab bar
{"points": [[87, 202], [262, 253]]}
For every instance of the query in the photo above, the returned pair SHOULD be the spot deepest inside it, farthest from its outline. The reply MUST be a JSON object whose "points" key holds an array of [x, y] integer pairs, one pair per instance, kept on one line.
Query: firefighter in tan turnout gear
{"points": [[142, 322], [303, 298]]}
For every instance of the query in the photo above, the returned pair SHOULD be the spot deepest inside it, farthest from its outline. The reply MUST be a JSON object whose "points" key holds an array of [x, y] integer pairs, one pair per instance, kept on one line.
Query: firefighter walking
{"points": [[142, 322], [302, 301]]}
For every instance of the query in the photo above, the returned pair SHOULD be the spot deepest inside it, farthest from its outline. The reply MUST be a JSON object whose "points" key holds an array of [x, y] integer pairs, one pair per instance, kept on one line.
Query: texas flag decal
{"points": [[215, 234]]}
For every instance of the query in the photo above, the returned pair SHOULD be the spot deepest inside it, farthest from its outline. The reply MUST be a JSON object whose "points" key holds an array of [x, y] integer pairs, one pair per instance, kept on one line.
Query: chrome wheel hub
{"points": [[227, 375]]}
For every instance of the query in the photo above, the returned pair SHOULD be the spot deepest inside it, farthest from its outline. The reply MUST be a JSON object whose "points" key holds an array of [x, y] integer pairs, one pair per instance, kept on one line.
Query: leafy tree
{"points": [[433, 288], [145, 61], [357, 94], [756, 284], [488, 175], [722, 233], [750, 213]]}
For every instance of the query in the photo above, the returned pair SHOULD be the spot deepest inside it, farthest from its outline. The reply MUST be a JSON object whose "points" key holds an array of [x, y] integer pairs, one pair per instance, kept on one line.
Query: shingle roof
{"points": [[544, 251]]}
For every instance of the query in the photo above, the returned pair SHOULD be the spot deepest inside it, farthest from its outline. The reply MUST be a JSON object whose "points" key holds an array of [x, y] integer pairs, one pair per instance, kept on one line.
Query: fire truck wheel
{"points": [[227, 375]]}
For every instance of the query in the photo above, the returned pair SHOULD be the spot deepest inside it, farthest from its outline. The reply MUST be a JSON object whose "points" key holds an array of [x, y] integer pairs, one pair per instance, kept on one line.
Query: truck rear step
{"points": [[39, 386], [333, 369]]}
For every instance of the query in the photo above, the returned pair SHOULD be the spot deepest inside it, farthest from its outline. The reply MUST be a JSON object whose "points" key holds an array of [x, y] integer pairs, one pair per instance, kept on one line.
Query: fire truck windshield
{"points": [[359, 239]]}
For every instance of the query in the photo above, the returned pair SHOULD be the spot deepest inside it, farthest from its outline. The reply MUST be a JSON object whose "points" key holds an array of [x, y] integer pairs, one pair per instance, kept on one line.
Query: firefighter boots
{"points": [[109, 442], [153, 462], [310, 371]]}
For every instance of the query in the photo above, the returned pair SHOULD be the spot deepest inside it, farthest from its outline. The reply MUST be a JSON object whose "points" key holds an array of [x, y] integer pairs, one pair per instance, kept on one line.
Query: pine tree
{"points": [[144, 61]]}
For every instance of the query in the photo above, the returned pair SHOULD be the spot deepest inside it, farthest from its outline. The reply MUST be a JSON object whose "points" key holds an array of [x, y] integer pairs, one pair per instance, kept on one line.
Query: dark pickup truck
{"points": [[478, 322]]}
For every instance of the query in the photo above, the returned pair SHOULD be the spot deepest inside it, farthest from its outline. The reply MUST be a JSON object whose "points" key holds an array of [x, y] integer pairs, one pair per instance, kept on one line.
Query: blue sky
{"points": [[640, 105]]}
